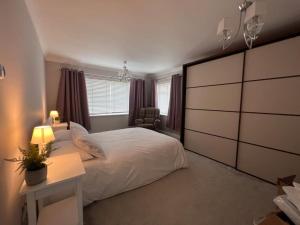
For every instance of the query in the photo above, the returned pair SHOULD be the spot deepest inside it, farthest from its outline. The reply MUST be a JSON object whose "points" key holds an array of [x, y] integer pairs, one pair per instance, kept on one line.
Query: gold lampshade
{"points": [[42, 135], [53, 114]]}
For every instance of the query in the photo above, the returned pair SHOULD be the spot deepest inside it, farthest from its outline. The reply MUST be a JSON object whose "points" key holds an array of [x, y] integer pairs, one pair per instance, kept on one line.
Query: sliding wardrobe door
{"points": [[270, 121], [213, 94]]}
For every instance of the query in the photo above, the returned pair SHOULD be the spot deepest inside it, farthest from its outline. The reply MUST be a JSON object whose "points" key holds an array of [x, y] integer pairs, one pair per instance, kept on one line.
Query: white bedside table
{"points": [[64, 171]]}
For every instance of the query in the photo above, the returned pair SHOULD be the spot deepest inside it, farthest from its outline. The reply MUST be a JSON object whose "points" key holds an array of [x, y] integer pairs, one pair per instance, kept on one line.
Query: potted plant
{"points": [[33, 163]]}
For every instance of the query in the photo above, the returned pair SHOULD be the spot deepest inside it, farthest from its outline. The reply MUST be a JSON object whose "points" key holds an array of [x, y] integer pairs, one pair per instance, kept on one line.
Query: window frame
{"points": [[162, 82], [96, 114]]}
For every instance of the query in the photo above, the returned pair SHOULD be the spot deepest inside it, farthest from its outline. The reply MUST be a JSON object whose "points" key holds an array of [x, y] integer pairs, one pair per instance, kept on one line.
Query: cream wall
{"points": [[52, 82], [22, 98]]}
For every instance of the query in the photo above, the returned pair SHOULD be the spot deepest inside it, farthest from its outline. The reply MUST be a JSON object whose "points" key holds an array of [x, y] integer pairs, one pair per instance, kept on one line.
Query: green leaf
{"points": [[31, 158]]}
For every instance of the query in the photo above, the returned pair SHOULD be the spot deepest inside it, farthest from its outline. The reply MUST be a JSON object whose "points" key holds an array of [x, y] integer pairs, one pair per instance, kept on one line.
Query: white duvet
{"points": [[134, 157]]}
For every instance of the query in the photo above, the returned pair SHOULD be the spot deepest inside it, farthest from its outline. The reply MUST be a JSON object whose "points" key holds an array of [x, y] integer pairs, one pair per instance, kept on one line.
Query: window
{"points": [[107, 96], [163, 96]]}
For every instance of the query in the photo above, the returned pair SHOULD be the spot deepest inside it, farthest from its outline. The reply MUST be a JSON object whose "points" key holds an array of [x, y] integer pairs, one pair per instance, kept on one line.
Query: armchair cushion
{"points": [[139, 121], [148, 118]]}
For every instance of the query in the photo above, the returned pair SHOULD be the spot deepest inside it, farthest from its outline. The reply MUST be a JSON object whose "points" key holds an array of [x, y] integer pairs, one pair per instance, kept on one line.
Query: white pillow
{"points": [[84, 155], [293, 195], [87, 143], [77, 129], [83, 140], [65, 147], [62, 135]]}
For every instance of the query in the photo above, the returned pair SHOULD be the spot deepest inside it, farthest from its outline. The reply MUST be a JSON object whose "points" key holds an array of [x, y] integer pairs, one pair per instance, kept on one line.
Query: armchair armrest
{"points": [[139, 121], [157, 123]]}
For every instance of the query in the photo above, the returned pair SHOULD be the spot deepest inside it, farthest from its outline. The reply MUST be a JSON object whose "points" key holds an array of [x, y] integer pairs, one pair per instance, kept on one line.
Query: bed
{"points": [[134, 157]]}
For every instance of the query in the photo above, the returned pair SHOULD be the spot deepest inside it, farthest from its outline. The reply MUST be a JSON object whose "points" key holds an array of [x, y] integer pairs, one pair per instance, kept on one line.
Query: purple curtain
{"points": [[174, 114], [137, 99], [72, 103], [153, 100]]}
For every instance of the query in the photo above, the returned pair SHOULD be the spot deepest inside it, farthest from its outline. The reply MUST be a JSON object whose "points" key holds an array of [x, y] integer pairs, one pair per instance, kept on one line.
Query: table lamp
{"points": [[53, 115], [42, 135]]}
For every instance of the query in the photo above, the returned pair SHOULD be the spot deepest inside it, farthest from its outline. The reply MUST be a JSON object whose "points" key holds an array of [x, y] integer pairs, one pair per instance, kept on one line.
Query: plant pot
{"points": [[36, 176]]}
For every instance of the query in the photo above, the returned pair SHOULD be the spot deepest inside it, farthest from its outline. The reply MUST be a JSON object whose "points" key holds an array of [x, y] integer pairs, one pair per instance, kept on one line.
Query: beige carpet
{"points": [[207, 193]]}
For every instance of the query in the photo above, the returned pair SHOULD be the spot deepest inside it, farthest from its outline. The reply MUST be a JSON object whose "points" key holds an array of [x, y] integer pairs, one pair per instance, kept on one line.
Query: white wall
{"points": [[22, 99], [108, 122], [52, 83], [98, 123]]}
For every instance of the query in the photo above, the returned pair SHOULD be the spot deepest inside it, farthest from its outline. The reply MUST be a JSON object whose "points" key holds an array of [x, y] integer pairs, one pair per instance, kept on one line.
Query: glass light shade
{"points": [[42, 135], [257, 8], [124, 74], [224, 27], [253, 21], [53, 114], [254, 27], [224, 32]]}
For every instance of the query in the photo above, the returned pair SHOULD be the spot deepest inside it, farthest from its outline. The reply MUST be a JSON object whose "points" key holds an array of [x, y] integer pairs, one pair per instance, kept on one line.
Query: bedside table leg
{"points": [[40, 204], [79, 202], [31, 208]]}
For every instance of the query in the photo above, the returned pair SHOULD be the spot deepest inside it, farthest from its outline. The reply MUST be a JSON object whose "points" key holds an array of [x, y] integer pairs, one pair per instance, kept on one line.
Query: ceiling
{"points": [[153, 36]]}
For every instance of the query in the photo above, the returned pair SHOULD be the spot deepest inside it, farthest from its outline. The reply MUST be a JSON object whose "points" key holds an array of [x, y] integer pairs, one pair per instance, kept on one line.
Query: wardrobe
{"points": [[243, 109]]}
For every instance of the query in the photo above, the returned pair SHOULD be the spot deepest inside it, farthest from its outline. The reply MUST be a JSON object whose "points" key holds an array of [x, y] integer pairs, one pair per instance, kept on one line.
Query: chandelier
{"points": [[252, 12], [124, 74]]}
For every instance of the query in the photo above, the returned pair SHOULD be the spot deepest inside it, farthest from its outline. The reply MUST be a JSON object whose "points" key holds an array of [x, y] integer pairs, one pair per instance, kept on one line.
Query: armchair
{"points": [[148, 118]]}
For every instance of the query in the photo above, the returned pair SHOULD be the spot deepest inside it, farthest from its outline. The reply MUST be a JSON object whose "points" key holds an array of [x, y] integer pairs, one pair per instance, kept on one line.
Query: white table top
{"points": [[61, 169], [60, 125]]}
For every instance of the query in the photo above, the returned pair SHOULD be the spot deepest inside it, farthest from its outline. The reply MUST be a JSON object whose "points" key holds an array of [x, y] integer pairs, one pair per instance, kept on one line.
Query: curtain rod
{"points": [[83, 68], [95, 75], [99, 75]]}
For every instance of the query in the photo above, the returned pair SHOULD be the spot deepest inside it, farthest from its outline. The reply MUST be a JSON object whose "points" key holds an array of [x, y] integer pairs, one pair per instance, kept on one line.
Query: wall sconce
{"points": [[2, 72]]}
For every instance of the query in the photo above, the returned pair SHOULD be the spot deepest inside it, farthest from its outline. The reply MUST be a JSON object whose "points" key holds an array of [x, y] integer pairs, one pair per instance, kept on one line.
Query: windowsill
{"points": [[109, 114], [164, 114]]}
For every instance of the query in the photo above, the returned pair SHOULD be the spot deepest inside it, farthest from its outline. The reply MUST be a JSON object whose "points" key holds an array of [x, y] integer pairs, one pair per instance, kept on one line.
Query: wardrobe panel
{"points": [[267, 164], [224, 97], [275, 131], [220, 149], [224, 70], [218, 123], [274, 60], [273, 96]]}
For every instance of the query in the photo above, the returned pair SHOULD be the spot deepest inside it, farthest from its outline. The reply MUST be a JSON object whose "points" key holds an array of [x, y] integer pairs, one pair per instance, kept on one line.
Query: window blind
{"points": [[163, 95], [107, 96]]}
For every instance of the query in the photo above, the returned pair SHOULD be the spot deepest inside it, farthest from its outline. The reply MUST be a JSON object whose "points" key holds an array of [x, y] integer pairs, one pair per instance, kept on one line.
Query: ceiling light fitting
{"points": [[124, 74], [252, 12]]}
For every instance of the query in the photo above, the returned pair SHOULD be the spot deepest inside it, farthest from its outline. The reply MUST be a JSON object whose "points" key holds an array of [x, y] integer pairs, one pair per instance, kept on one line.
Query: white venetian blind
{"points": [[107, 96], [163, 95]]}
